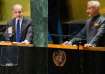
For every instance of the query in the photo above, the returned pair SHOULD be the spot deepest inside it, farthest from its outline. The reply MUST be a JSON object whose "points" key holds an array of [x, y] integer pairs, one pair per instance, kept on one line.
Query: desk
{"points": [[9, 51], [86, 60], [30, 59], [8, 43], [75, 47], [18, 54]]}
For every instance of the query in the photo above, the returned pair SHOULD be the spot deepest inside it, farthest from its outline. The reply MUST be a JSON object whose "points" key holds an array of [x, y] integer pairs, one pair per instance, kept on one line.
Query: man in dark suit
{"points": [[19, 29], [94, 33], [94, 30]]}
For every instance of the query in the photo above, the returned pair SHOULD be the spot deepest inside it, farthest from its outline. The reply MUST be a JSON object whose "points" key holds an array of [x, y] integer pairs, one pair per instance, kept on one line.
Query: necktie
{"points": [[18, 31]]}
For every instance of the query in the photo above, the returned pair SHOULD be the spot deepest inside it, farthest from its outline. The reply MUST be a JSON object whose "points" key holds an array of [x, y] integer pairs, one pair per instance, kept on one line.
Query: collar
{"points": [[95, 17]]}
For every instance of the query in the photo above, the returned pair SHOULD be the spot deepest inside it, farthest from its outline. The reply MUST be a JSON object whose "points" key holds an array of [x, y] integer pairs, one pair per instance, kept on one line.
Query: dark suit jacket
{"points": [[94, 31], [26, 30]]}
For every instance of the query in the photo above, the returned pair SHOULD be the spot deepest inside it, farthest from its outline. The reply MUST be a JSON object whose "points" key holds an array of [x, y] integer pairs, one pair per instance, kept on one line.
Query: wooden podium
{"points": [[19, 54], [73, 59], [75, 47]]}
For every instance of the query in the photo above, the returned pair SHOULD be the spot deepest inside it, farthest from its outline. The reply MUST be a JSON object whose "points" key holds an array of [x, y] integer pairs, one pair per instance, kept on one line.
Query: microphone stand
{"points": [[80, 66]]}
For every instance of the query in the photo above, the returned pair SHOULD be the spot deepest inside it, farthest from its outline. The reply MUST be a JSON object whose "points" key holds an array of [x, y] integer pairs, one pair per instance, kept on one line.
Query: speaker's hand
{"points": [[67, 43], [89, 45], [26, 42]]}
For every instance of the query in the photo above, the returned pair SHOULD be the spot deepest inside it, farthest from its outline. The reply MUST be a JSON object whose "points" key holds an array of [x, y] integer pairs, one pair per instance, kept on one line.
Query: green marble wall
{"points": [[39, 14]]}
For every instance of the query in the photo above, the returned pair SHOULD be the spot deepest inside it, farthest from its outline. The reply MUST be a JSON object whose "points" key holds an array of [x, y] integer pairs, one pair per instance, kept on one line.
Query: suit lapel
{"points": [[13, 24], [23, 25]]}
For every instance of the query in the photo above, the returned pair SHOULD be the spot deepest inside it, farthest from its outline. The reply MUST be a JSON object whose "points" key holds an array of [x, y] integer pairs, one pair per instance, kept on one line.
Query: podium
{"points": [[29, 59], [73, 59], [15, 58], [9, 52]]}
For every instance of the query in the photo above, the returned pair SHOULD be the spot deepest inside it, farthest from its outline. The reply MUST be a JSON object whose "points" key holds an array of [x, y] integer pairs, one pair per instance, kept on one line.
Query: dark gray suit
{"points": [[94, 31], [9, 55], [26, 30]]}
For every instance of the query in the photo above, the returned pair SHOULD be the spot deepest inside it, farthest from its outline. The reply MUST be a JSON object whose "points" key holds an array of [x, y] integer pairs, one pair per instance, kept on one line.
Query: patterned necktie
{"points": [[18, 31]]}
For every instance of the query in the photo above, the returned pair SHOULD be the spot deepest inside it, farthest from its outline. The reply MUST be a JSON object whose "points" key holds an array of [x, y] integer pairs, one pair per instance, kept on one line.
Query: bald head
{"points": [[93, 8], [17, 10]]}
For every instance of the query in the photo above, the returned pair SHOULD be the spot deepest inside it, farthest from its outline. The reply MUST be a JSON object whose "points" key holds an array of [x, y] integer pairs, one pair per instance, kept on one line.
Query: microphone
{"points": [[80, 41]]}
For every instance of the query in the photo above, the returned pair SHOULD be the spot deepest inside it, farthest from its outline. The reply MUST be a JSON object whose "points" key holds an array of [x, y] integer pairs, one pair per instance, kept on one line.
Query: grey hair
{"points": [[17, 5], [94, 3]]}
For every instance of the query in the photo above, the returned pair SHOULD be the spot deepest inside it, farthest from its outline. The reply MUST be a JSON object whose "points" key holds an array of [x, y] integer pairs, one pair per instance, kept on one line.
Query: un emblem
{"points": [[59, 58]]}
